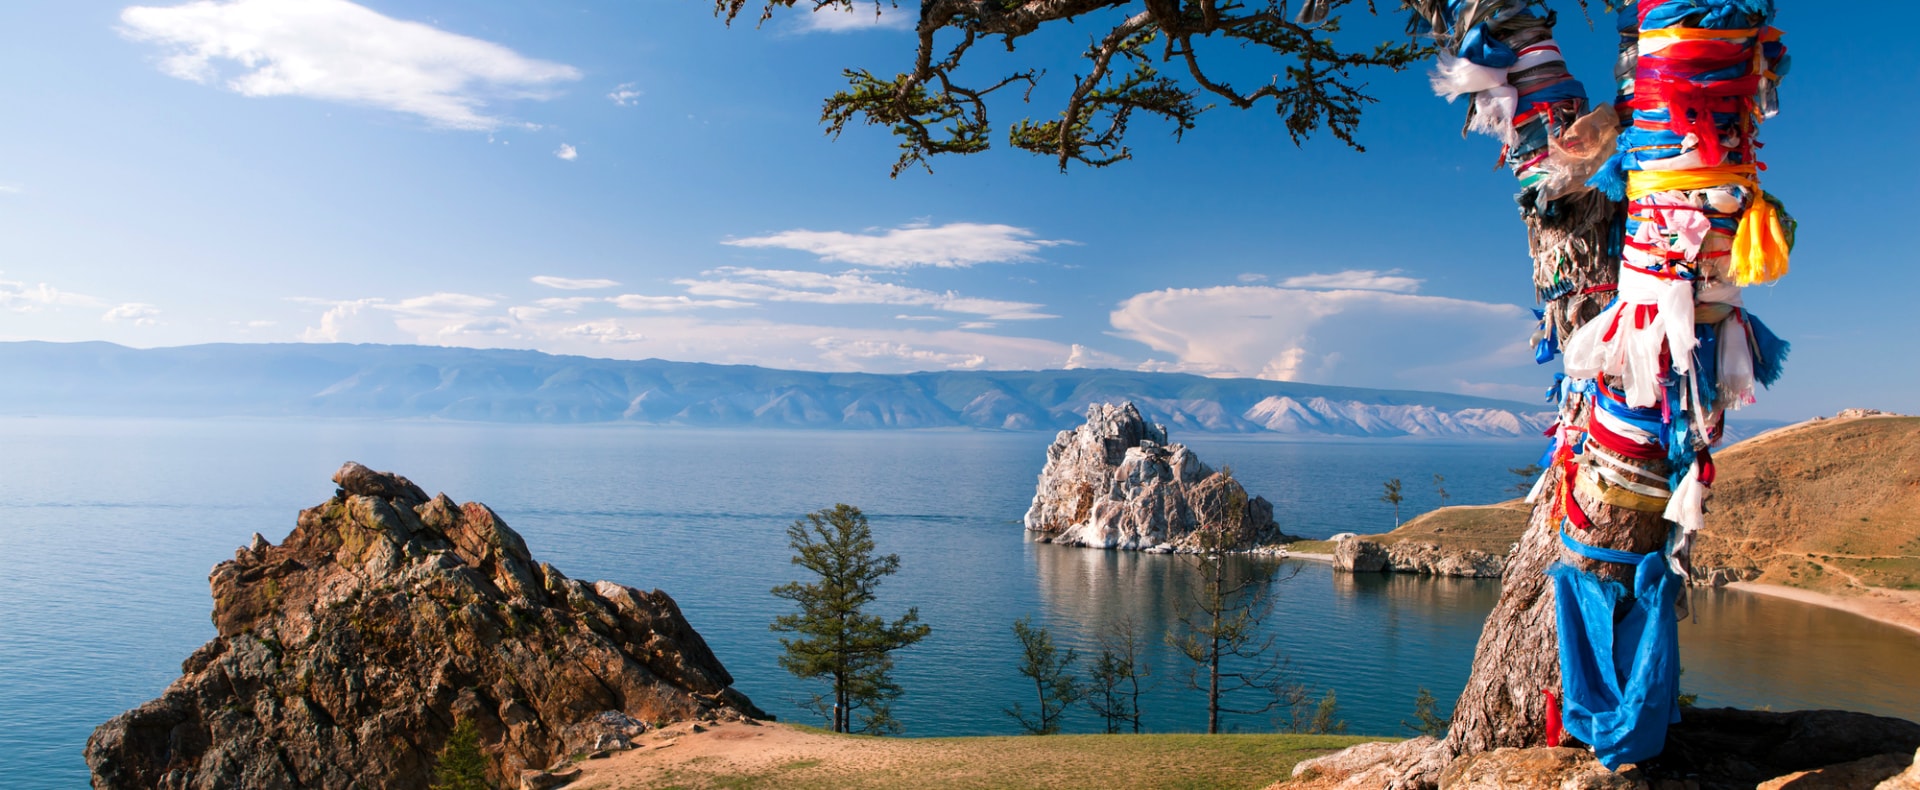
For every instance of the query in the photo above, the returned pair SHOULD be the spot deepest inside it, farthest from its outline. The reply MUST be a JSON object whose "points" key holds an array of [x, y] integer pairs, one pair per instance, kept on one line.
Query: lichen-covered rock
{"points": [[1115, 482], [346, 655]]}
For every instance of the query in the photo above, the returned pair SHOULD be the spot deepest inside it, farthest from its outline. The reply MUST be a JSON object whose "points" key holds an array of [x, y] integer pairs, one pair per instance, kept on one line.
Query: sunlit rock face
{"points": [[347, 654], [1115, 483]]}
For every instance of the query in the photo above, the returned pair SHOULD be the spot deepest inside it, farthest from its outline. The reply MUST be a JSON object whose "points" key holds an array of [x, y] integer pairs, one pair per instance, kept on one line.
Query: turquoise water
{"points": [[110, 527]]}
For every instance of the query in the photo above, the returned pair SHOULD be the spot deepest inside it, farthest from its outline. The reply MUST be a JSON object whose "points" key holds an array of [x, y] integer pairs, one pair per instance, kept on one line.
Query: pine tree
{"points": [[1054, 685], [460, 765], [1393, 497], [838, 640], [1221, 631], [1326, 718], [1440, 486], [1426, 717], [1116, 678]]}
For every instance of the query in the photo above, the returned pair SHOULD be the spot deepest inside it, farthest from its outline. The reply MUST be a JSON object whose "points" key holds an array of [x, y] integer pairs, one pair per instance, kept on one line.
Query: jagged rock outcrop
{"points": [[1115, 482], [1358, 555], [347, 654]]}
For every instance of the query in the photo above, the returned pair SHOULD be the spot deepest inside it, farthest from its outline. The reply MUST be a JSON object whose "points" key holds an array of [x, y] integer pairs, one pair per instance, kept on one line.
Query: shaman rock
{"points": [[347, 654], [1115, 482]]}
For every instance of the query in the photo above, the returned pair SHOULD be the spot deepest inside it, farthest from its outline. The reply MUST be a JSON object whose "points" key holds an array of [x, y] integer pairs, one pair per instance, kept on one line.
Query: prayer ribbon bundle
{"points": [[1648, 381], [1656, 371]]}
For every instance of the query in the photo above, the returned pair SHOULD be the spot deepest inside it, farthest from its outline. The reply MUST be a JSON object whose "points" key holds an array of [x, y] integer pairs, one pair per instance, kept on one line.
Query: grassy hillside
{"points": [[1827, 505], [739, 757]]}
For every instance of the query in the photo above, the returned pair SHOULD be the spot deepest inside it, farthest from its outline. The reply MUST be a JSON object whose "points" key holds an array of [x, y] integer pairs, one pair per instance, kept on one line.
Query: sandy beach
{"points": [[1893, 607]]}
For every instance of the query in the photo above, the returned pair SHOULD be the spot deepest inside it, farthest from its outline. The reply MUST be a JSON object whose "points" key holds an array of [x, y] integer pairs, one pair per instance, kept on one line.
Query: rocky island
{"points": [[347, 655], [1115, 483]]}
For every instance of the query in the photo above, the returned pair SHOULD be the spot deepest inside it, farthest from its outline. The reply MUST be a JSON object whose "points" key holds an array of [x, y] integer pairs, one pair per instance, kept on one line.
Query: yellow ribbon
{"points": [[1760, 249]]}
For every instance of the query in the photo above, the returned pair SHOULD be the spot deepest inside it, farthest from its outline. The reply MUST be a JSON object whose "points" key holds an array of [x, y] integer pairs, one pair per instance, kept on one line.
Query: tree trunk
{"points": [[1518, 657]]}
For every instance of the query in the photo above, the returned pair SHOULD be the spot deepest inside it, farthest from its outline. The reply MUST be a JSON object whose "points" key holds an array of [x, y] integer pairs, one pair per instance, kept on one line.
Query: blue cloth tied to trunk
{"points": [[1619, 665]]}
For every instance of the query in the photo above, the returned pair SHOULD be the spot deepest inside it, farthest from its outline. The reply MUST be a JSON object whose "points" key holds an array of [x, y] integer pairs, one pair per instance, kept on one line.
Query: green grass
{"points": [[1056, 762]]}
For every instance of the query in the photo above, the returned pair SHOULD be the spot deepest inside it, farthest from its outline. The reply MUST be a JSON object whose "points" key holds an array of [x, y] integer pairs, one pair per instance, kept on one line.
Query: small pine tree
{"points": [[1426, 717], [1527, 475], [1440, 487], [838, 640], [1393, 497], [1115, 686], [460, 765], [1326, 718], [1054, 685]]}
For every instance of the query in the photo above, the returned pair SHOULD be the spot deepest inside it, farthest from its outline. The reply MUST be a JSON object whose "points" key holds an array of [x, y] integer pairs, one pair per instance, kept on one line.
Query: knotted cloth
{"points": [[1619, 654]]}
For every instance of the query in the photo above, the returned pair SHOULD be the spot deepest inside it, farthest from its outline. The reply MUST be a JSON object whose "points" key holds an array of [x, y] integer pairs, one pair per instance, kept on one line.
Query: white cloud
{"points": [[639, 303], [1251, 278], [625, 95], [837, 19], [571, 284], [778, 285], [865, 353], [603, 332], [337, 51], [1350, 337], [905, 317], [567, 152], [136, 313], [441, 304], [461, 320], [23, 298], [1083, 357], [954, 245], [9, 189], [1359, 280]]}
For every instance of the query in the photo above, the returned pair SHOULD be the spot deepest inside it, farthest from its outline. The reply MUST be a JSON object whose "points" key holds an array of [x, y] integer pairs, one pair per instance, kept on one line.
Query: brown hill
{"points": [[1830, 505]]}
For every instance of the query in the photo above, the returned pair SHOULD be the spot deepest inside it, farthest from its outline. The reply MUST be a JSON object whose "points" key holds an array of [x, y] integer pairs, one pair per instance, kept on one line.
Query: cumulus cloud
{"points": [[136, 313], [566, 152], [837, 19], [337, 51], [1352, 337], [572, 284], [954, 245], [779, 285], [626, 95], [1359, 280]]}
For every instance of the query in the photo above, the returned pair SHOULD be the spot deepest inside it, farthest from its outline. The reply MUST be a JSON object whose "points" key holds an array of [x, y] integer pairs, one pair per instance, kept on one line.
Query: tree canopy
{"points": [[1146, 57]]}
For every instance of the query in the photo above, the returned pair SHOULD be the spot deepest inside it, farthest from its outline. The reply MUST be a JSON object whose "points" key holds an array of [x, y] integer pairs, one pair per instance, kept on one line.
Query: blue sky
{"points": [[635, 179]]}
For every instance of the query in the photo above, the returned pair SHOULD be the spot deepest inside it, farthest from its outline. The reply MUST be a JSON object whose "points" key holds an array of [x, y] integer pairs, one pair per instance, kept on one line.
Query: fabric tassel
{"points": [[1769, 351], [1493, 111], [1763, 244], [1688, 511], [1611, 178], [1454, 77], [1733, 387]]}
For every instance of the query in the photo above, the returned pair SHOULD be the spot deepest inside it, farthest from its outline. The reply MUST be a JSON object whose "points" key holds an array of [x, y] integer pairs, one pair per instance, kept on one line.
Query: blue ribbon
{"points": [[1619, 666]]}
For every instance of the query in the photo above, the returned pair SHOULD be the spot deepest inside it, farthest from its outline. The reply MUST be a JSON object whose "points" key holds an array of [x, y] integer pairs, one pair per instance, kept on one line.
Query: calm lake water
{"points": [[109, 528]]}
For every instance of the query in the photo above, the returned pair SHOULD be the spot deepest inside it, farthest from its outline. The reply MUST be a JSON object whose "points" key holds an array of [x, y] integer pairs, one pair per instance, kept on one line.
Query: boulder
{"points": [[1360, 556], [1908, 779], [346, 655], [1115, 483], [1537, 769], [1432, 560]]}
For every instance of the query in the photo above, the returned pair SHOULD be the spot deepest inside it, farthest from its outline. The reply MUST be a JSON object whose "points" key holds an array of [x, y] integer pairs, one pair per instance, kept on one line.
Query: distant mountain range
{"points": [[378, 381]]}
